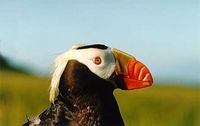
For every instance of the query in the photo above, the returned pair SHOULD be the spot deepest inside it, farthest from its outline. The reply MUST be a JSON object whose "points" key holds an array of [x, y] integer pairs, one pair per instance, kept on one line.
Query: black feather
{"points": [[84, 100], [98, 46]]}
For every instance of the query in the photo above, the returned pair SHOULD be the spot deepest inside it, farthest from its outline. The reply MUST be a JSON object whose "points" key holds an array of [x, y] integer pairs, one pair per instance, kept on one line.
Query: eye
{"points": [[97, 60]]}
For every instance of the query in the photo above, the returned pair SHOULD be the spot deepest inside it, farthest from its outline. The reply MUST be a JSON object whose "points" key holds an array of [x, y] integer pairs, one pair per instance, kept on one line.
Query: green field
{"points": [[22, 95]]}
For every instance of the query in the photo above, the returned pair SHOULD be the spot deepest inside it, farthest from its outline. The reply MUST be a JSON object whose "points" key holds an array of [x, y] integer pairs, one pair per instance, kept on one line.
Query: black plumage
{"points": [[84, 100]]}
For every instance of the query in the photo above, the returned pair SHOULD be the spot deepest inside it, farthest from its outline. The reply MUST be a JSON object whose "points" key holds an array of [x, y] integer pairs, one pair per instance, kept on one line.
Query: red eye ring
{"points": [[97, 60]]}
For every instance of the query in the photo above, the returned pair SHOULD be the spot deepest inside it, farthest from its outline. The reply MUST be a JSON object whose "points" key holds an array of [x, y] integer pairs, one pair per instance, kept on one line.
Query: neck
{"points": [[98, 108], [100, 97]]}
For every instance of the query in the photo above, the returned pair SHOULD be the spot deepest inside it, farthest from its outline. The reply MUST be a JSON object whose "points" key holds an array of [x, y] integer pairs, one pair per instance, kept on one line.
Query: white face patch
{"points": [[103, 66]]}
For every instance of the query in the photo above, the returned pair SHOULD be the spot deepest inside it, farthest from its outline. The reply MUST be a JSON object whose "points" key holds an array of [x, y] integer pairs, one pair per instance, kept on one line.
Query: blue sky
{"points": [[163, 35]]}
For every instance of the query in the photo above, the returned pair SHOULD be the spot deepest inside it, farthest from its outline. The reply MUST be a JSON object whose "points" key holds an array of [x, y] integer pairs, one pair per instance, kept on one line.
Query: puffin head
{"points": [[109, 64]]}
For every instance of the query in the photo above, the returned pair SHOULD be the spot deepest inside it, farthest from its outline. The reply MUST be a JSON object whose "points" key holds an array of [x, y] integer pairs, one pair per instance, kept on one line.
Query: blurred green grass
{"points": [[22, 94]]}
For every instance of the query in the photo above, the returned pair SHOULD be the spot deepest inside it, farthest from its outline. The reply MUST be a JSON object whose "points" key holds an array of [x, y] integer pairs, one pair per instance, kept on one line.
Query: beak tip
{"points": [[149, 83], [148, 79]]}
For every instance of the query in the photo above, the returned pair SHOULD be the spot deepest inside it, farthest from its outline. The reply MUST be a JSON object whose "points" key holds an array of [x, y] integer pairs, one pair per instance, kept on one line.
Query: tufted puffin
{"points": [[82, 85]]}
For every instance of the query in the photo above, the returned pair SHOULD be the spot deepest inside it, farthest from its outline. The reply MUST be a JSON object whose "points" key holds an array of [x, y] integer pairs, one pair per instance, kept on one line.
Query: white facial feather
{"points": [[86, 57]]}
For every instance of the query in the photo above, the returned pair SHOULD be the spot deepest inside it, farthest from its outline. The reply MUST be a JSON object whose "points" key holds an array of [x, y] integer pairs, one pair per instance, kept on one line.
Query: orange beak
{"points": [[129, 73]]}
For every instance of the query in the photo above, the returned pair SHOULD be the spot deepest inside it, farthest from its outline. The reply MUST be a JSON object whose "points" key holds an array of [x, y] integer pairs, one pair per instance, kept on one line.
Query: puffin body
{"points": [[82, 85]]}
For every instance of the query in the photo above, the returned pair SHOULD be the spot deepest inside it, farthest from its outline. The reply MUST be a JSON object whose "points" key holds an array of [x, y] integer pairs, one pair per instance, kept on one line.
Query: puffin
{"points": [[82, 85]]}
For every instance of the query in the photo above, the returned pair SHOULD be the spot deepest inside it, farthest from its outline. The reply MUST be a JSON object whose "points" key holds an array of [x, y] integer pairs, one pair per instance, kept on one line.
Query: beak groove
{"points": [[139, 71]]}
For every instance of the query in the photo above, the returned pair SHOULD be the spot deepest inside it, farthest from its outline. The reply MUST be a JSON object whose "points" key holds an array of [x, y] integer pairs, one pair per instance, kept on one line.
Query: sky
{"points": [[164, 35]]}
